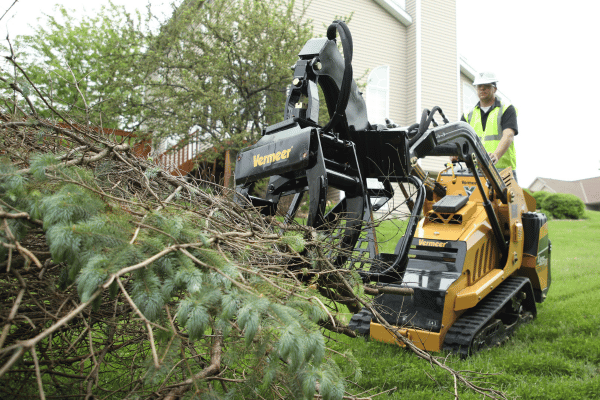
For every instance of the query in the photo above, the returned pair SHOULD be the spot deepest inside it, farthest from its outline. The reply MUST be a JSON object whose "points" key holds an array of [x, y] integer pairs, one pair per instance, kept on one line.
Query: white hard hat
{"points": [[485, 78]]}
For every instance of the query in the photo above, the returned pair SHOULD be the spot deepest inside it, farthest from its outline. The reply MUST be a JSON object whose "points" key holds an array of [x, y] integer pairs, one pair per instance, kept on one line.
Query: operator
{"points": [[494, 122]]}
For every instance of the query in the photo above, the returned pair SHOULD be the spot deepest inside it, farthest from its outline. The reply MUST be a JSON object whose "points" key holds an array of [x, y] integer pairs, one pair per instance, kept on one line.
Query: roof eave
{"points": [[466, 69], [396, 11]]}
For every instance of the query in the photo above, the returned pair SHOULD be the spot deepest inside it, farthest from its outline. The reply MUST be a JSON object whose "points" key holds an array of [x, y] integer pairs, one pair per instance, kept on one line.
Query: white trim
{"points": [[459, 93], [387, 100], [466, 69], [418, 56], [396, 11], [458, 84]]}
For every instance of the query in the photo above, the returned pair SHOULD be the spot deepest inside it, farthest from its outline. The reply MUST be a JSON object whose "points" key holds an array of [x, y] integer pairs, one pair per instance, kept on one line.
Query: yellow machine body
{"points": [[482, 270]]}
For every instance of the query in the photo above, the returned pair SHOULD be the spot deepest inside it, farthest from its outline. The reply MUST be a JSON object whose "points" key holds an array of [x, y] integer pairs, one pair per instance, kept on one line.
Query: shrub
{"points": [[540, 197], [563, 206]]}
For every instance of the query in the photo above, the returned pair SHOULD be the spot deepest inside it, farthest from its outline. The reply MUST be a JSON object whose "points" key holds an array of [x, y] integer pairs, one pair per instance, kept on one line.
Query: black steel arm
{"points": [[395, 271], [459, 139]]}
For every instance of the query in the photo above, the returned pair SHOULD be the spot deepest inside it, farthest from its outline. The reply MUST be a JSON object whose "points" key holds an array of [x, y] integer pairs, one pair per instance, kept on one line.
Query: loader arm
{"points": [[459, 139]]}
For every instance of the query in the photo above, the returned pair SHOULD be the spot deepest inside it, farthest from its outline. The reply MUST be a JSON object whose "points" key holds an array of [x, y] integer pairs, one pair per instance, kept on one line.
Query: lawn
{"points": [[557, 356]]}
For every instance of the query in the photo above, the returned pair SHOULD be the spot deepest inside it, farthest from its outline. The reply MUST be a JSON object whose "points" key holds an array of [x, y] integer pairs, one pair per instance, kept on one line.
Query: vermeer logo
{"points": [[469, 189], [431, 244], [269, 158]]}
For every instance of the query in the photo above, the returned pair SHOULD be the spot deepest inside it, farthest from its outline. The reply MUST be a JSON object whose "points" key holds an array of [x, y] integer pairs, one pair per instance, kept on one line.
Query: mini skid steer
{"points": [[475, 252]]}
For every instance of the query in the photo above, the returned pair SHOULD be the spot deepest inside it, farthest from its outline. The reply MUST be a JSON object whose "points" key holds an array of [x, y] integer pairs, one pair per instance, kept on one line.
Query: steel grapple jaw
{"points": [[293, 159]]}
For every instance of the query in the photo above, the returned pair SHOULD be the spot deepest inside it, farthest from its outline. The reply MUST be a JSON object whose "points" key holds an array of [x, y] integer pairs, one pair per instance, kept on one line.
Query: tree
{"points": [[223, 67], [220, 68], [88, 68]]}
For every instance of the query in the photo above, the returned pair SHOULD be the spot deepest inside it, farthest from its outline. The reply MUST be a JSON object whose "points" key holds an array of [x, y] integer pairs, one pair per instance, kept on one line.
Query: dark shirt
{"points": [[509, 117]]}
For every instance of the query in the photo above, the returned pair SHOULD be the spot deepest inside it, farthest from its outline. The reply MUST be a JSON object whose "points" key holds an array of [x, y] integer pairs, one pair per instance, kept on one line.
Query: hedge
{"points": [[562, 206], [539, 198]]}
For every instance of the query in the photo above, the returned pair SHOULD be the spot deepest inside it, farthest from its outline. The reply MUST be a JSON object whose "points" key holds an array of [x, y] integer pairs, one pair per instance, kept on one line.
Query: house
{"points": [[588, 190]]}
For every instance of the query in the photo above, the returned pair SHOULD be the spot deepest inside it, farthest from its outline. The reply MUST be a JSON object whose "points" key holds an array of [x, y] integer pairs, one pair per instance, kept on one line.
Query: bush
{"points": [[540, 197], [563, 206]]}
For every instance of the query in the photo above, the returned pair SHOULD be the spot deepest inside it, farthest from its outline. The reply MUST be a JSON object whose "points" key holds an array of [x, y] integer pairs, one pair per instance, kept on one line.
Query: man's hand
{"points": [[493, 157]]}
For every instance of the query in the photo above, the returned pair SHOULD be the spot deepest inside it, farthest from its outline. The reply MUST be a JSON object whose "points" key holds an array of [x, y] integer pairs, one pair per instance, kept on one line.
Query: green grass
{"points": [[557, 356], [388, 234]]}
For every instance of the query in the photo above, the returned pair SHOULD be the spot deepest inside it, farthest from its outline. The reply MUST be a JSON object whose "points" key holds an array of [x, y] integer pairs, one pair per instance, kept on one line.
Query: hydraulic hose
{"points": [[426, 120], [412, 130], [344, 95]]}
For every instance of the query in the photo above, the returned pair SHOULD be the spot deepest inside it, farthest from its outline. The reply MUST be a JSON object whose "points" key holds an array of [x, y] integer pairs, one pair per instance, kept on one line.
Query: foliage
{"points": [[539, 197], [87, 67], [223, 67], [563, 206], [219, 68], [159, 284]]}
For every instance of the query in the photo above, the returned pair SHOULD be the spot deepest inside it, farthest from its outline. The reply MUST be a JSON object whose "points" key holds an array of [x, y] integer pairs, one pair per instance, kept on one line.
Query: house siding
{"points": [[410, 102], [439, 61], [439, 56]]}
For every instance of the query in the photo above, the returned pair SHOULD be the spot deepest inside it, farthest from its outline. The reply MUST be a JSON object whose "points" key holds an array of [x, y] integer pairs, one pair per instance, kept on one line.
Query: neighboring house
{"points": [[588, 190]]}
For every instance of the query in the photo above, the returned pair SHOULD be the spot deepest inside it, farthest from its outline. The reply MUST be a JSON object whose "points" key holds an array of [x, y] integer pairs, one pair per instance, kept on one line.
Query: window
{"points": [[469, 97], [378, 84]]}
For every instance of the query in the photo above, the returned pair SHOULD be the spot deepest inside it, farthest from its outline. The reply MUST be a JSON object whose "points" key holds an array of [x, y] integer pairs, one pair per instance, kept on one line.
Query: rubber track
{"points": [[460, 335], [361, 322]]}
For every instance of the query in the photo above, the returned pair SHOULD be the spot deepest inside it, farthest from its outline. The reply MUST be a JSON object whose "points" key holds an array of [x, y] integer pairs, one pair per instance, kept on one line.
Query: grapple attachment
{"points": [[302, 157]]}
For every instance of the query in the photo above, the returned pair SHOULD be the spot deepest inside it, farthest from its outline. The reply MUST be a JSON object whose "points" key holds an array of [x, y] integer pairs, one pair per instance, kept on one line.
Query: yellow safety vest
{"points": [[492, 134]]}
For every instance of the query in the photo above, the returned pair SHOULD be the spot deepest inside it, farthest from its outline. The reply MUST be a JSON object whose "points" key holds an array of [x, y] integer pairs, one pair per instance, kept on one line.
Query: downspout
{"points": [[458, 83], [418, 21]]}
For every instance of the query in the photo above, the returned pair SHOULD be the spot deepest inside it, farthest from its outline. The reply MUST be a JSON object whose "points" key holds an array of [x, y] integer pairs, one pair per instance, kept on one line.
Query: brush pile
{"points": [[119, 280]]}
